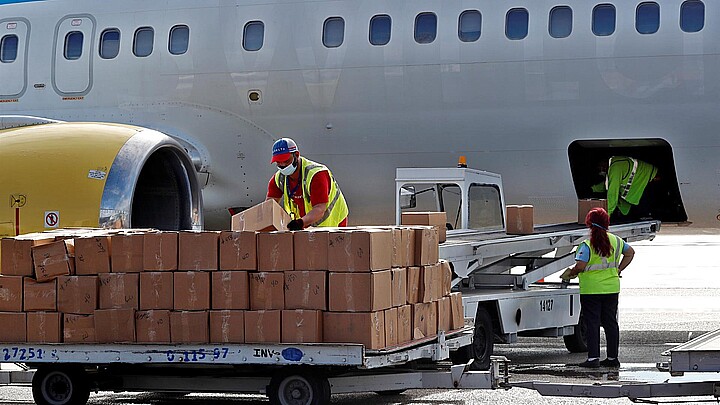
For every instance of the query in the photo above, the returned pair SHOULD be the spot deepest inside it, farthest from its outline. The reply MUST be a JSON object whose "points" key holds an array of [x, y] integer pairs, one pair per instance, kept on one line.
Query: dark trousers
{"points": [[601, 310]]}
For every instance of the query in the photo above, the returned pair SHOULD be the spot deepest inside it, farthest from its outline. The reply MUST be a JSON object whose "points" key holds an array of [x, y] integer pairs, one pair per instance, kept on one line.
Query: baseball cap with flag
{"points": [[282, 148]]}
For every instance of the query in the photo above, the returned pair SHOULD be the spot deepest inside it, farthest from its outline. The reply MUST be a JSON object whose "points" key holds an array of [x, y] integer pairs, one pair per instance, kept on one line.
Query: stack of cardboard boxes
{"points": [[375, 286]]}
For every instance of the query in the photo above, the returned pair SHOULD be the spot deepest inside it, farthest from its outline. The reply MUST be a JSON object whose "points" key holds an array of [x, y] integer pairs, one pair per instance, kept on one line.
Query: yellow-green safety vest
{"points": [[601, 273], [337, 209]]}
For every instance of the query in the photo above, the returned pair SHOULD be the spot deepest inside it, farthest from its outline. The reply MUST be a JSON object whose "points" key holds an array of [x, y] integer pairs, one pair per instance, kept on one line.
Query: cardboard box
{"points": [[306, 290], [436, 219], [310, 248], [426, 246], [16, 254], [160, 251], [302, 326], [431, 283], [227, 326], [399, 287], [391, 327], [152, 326], [189, 327], [366, 328], [78, 328], [360, 250], [267, 291], [18, 332], [238, 250], [408, 246], [119, 290], [585, 205], [447, 276], [92, 255], [78, 294], [275, 251], [457, 311], [156, 290], [404, 326], [115, 325], [262, 326], [230, 290], [198, 251], [44, 327], [360, 292], [191, 291], [11, 294], [519, 220], [424, 320], [266, 216], [51, 260], [414, 277], [126, 255], [444, 315], [39, 296]]}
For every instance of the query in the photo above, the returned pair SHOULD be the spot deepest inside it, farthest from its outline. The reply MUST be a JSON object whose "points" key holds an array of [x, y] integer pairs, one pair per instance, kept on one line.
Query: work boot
{"points": [[615, 363], [590, 364]]}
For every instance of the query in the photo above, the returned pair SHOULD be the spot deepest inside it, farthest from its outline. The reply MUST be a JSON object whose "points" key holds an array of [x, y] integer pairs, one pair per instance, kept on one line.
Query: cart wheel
{"points": [[298, 387], [390, 393], [483, 339], [60, 386], [577, 342]]}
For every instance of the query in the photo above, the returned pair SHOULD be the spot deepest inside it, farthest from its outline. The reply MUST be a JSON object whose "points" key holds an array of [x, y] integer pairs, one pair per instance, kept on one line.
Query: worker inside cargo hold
{"points": [[305, 189], [631, 187]]}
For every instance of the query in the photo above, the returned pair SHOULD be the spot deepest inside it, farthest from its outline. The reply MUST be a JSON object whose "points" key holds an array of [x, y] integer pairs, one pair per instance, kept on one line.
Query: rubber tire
{"points": [[72, 379], [390, 393], [483, 340], [577, 342], [319, 386]]}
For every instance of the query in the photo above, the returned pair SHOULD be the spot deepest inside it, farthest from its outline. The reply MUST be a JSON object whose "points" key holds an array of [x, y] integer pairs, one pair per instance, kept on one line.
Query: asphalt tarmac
{"points": [[669, 295]]}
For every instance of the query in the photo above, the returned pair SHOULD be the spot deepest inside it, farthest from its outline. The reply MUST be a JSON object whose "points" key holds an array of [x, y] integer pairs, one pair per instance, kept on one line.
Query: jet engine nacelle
{"points": [[58, 175]]}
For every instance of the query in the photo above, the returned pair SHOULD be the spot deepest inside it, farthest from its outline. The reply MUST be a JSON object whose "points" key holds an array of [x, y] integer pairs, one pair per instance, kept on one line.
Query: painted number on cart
{"points": [[22, 354], [190, 356], [546, 305]]}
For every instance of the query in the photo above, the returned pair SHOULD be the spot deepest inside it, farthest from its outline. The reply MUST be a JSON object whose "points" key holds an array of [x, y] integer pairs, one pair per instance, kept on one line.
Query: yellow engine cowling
{"points": [[59, 175]]}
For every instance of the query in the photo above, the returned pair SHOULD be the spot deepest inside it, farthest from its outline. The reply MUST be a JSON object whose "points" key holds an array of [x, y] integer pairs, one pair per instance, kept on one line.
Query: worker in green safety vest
{"points": [[306, 190], [626, 180], [599, 261]]}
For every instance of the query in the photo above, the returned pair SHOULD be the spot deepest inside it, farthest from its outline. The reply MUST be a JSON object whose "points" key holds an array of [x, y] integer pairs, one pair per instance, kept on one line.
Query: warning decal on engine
{"points": [[96, 174]]}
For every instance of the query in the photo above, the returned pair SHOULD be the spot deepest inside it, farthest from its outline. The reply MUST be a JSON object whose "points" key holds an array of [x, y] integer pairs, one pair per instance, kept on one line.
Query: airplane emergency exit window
{"points": [[469, 25], [110, 43], [516, 23], [8, 48], [253, 35], [692, 16], [179, 39], [143, 42], [603, 20], [380, 28], [561, 19], [333, 32], [425, 28], [73, 45], [647, 18]]}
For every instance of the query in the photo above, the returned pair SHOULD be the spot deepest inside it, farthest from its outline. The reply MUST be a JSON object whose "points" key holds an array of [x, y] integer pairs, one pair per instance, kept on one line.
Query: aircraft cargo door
{"points": [[13, 54], [72, 57]]}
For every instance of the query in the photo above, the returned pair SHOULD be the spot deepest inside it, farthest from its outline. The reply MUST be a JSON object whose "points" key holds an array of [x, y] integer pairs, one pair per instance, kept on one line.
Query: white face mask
{"points": [[289, 169]]}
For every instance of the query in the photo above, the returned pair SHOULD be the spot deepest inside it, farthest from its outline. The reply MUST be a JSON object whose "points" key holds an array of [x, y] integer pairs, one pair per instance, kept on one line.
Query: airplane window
{"points": [[425, 28], [692, 16], [603, 23], [561, 19], [144, 41], [516, 23], [647, 18], [469, 26], [380, 28], [333, 32], [110, 43], [253, 35], [179, 39], [8, 48], [73, 45]]}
